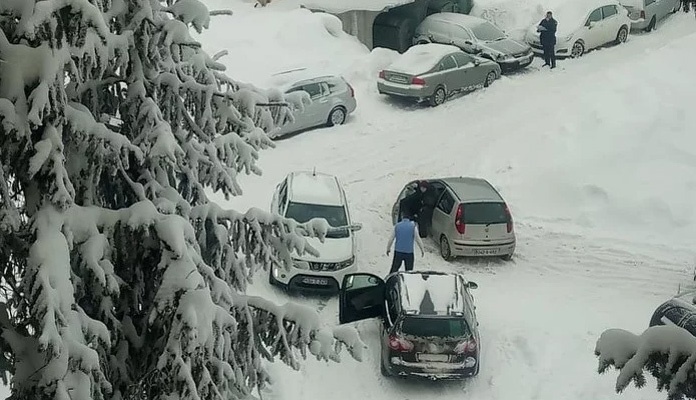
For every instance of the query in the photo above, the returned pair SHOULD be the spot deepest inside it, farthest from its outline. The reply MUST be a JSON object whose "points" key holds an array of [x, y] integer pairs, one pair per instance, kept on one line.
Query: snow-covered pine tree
{"points": [[666, 352], [120, 279]]}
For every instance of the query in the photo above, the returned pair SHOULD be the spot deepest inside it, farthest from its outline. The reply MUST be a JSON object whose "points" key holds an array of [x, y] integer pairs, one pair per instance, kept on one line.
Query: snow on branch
{"points": [[666, 352]]}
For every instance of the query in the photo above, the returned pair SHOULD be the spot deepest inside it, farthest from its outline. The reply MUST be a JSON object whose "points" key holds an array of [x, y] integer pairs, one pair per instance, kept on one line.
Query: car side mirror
{"points": [[477, 63], [468, 42], [472, 285], [592, 24], [355, 227]]}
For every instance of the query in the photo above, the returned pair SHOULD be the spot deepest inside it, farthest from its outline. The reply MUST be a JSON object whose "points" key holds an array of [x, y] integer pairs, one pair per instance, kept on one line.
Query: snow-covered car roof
{"points": [[572, 14], [315, 188], [421, 58], [457, 18], [341, 6], [432, 293], [287, 79]]}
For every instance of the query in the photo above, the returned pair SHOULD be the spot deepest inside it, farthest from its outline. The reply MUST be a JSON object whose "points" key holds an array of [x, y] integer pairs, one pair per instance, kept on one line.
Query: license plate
{"points": [[487, 252], [398, 79], [316, 281], [433, 357]]}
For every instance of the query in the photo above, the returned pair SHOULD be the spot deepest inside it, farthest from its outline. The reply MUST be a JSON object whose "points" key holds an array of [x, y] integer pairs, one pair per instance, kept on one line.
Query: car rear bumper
{"points": [[639, 24], [433, 371], [403, 90], [478, 249]]}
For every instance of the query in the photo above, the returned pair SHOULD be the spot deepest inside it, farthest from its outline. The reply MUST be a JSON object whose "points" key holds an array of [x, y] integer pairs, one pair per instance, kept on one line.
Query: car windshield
{"points": [[435, 327], [487, 32], [484, 213], [334, 215]]}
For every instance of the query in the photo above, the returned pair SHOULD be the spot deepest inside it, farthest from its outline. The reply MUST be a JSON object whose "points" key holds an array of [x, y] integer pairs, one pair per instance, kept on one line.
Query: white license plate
{"points": [[433, 357], [316, 281], [487, 252], [398, 79]]}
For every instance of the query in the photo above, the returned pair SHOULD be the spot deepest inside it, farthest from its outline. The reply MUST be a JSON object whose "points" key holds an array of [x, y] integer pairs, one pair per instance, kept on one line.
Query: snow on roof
{"points": [[315, 188], [572, 14], [457, 18], [470, 189], [431, 293], [421, 58], [287, 79], [341, 6]]}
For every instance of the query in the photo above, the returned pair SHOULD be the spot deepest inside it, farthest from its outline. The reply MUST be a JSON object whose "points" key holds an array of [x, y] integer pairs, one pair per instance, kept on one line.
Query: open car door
{"points": [[361, 297]]}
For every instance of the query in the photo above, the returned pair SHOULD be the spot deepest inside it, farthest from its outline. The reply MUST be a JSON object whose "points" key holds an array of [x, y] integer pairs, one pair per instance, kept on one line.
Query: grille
{"points": [[319, 266]]}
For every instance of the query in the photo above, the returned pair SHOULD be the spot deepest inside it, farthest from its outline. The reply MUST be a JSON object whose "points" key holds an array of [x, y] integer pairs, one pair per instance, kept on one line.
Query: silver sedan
{"points": [[434, 72]]}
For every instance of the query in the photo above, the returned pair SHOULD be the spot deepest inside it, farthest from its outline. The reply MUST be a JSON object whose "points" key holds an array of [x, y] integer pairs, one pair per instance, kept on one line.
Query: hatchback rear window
{"points": [[435, 327], [484, 213]]}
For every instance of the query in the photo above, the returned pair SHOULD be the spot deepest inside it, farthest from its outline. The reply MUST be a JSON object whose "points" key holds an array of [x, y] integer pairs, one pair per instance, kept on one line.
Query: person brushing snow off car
{"points": [[547, 37], [405, 233]]}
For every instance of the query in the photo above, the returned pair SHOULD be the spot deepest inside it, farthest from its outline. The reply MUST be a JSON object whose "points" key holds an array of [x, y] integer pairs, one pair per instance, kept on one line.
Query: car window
{"points": [[462, 33], [609, 11], [484, 213], [649, 2], [446, 203], [689, 323], [463, 59], [392, 299], [316, 90], [447, 63], [334, 215], [335, 85], [487, 32], [435, 327], [283, 194], [596, 16]]}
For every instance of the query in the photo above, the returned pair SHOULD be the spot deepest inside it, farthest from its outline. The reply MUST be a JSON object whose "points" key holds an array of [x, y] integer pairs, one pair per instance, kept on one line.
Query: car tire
{"points": [[445, 249], [438, 97], [622, 35], [490, 78], [578, 49], [383, 369], [651, 25], [337, 116]]}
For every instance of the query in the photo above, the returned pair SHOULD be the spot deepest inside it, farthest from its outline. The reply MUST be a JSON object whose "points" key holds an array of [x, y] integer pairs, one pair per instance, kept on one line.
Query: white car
{"points": [[584, 25], [302, 196]]}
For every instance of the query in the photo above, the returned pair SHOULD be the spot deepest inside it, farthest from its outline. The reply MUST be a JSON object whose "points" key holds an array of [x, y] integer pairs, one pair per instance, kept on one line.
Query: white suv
{"points": [[302, 196]]}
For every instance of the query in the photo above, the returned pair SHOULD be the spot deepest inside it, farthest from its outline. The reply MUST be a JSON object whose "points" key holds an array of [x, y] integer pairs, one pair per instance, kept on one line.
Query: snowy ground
{"points": [[596, 160]]}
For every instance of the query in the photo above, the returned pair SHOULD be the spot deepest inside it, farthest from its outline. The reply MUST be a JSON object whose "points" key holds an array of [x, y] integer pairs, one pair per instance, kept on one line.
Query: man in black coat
{"points": [[547, 37], [421, 205]]}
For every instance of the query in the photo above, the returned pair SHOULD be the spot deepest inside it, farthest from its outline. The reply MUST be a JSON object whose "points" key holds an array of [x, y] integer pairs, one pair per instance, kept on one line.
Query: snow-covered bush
{"points": [[120, 279], [667, 352]]}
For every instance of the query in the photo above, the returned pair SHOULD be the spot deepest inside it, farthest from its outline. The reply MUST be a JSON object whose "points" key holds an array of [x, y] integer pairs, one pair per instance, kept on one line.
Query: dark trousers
{"points": [[406, 258], [550, 54]]}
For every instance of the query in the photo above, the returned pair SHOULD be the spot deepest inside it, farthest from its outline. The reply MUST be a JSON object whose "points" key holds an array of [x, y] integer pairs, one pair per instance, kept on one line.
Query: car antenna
{"points": [[314, 171]]}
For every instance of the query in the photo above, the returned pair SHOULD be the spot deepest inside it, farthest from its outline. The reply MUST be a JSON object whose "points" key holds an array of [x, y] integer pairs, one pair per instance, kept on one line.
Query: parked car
{"points": [[429, 327], [470, 218], [303, 196], [332, 100], [645, 14], [679, 310], [475, 36], [434, 72], [584, 25]]}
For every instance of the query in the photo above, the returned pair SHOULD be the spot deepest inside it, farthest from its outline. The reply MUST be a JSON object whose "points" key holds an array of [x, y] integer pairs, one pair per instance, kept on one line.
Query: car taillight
{"points": [[459, 220], [382, 75], [509, 219], [417, 81], [467, 346], [399, 344], [642, 14]]}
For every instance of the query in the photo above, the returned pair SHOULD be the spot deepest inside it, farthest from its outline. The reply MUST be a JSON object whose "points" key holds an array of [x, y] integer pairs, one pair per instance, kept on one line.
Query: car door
{"points": [[407, 190], [361, 297], [446, 74], [592, 32], [468, 74], [611, 23], [442, 214]]}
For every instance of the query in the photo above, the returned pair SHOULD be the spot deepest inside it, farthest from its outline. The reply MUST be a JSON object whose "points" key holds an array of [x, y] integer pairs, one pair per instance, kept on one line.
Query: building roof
{"points": [[341, 6], [433, 293], [315, 188]]}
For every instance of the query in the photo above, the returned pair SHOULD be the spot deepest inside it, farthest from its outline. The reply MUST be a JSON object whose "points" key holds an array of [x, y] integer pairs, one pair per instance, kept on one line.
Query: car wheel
{"points": [[337, 116], [651, 25], [445, 250], [577, 50], [438, 97], [383, 369], [490, 78], [622, 35]]}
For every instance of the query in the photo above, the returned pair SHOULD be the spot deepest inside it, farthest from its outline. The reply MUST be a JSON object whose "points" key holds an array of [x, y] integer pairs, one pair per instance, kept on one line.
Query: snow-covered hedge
{"points": [[120, 279], [667, 352]]}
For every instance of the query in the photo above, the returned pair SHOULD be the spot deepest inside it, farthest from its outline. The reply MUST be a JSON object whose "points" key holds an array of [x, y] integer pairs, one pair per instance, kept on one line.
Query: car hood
{"points": [[331, 250], [507, 46]]}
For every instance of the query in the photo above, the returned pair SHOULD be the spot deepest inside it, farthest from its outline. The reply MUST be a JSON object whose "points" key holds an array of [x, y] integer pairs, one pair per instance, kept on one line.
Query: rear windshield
{"points": [[438, 327], [484, 213]]}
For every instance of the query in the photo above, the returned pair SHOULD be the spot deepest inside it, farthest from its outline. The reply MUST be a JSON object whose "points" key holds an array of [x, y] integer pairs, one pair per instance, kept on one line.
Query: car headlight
{"points": [[504, 57], [345, 264]]}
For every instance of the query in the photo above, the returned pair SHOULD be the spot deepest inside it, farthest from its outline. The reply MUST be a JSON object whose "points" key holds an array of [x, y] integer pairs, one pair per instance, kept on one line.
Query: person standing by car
{"points": [[420, 204], [547, 37], [404, 234]]}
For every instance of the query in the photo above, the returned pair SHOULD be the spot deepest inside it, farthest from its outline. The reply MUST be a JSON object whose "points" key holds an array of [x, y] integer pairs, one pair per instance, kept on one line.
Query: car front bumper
{"points": [[404, 90], [516, 63], [561, 49], [306, 280], [477, 249], [432, 371]]}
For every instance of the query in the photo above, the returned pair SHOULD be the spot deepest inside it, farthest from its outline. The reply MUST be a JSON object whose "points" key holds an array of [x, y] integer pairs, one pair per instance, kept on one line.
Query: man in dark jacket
{"points": [[420, 204], [547, 37]]}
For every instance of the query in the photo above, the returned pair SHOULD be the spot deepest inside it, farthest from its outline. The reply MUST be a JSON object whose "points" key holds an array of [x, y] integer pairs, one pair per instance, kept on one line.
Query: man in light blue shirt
{"points": [[405, 233]]}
